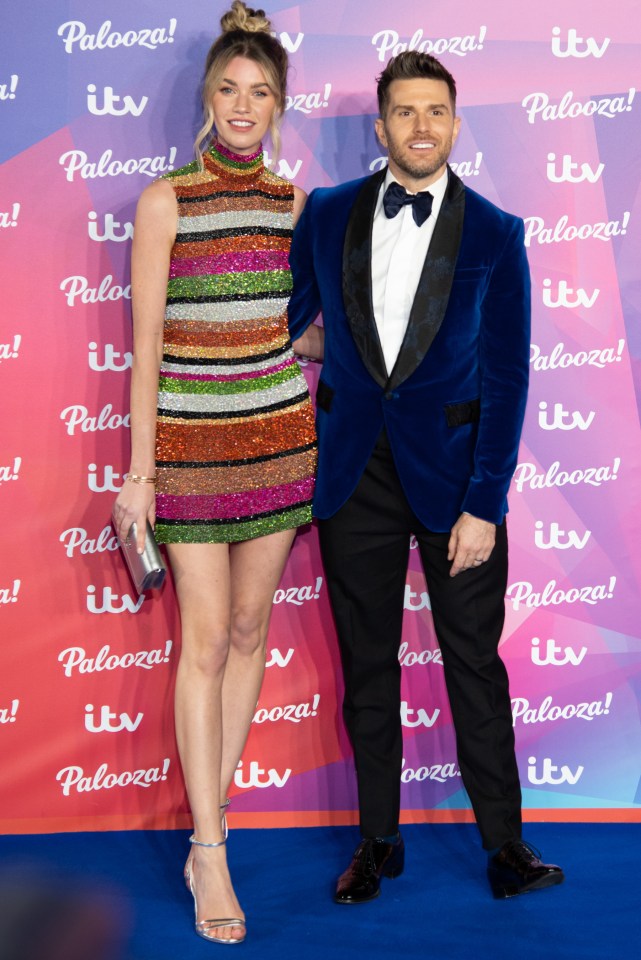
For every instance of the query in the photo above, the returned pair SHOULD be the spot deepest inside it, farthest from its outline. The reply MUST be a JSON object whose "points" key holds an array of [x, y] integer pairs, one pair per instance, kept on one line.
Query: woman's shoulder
{"points": [[157, 195], [157, 208]]}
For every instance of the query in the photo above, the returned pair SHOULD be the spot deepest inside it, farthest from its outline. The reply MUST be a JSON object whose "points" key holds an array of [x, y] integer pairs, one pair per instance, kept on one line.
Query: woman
{"points": [[223, 442]]}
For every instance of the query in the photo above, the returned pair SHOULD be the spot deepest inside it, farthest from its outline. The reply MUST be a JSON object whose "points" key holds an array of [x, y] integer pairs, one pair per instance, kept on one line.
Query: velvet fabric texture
{"points": [[453, 405]]}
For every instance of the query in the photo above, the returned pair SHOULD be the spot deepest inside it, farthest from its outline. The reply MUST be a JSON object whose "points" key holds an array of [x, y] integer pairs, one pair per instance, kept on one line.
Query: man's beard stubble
{"points": [[418, 170]]}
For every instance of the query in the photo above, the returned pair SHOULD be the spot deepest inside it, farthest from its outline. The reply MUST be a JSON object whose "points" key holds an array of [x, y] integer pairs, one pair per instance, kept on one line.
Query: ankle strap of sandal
{"points": [[199, 843]]}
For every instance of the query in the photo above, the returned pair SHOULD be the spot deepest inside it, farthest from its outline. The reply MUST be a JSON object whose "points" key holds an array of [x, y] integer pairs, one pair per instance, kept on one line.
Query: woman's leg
{"points": [[256, 569], [225, 594], [202, 578]]}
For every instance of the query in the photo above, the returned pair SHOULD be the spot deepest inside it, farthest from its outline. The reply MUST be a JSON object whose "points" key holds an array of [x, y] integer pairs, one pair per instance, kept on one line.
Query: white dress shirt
{"points": [[399, 248]]}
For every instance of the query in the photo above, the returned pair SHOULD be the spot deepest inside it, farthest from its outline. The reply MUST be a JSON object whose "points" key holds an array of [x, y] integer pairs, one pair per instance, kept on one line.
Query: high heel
{"points": [[203, 926]]}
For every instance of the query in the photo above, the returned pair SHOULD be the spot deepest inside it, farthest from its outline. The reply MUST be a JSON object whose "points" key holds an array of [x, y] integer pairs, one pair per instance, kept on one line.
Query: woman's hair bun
{"points": [[242, 17]]}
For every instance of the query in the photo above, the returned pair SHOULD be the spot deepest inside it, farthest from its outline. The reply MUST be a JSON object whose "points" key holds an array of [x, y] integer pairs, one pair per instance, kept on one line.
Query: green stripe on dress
{"points": [[217, 387], [225, 284], [232, 532]]}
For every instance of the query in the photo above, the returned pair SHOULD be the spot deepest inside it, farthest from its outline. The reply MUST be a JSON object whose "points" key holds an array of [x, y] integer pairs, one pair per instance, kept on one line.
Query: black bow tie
{"points": [[397, 196]]}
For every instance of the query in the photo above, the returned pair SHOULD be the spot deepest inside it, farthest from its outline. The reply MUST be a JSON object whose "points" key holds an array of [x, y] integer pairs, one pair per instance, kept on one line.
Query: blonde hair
{"points": [[246, 33]]}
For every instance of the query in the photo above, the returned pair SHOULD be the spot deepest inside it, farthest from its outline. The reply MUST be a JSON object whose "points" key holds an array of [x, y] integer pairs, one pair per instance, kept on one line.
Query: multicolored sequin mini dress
{"points": [[235, 437]]}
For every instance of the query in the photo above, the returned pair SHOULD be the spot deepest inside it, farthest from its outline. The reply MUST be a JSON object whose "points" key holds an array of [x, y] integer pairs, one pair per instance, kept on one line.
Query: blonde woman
{"points": [[223, 442]]}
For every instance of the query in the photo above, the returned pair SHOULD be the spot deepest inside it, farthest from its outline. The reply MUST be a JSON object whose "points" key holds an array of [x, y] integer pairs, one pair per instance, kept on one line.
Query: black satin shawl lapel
{"points": [[357, 279], [435, 284]]}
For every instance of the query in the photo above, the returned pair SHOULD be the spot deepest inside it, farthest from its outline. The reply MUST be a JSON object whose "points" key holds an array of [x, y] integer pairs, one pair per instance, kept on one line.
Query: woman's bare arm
{"points": [[309, 345], [154, 236]]}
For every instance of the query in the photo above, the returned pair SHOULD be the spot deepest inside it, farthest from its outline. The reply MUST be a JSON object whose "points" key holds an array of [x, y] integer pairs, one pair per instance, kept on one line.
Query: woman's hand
{"points": [[136, 503], [311, 344]]}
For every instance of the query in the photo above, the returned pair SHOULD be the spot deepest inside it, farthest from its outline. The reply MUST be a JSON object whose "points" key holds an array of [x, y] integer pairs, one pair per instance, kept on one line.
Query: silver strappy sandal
{"points": [[202, 927]]}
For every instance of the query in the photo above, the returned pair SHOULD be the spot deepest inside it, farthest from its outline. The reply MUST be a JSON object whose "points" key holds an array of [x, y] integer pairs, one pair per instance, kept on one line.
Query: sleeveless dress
{"points": [[235, 436]]}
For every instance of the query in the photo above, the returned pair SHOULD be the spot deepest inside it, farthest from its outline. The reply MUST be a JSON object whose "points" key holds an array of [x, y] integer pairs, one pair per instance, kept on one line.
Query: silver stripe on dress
{"points": [[224, 311], [227, 219]]}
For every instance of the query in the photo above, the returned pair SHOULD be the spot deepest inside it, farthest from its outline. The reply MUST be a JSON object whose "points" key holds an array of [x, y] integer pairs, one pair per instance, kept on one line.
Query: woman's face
{"points": [[243, 106]]}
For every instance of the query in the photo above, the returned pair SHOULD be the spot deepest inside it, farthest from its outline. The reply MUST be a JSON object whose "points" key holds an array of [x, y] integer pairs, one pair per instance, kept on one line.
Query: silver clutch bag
{"points": [[147, 569]]}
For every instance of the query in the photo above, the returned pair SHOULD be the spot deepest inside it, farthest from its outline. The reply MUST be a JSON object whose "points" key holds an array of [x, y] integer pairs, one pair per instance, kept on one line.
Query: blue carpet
{"points": [[441, 907]]}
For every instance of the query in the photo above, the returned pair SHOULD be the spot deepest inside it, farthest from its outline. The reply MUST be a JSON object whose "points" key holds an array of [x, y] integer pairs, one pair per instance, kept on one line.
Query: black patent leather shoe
{"points": [[372, 860], [517, 868]]}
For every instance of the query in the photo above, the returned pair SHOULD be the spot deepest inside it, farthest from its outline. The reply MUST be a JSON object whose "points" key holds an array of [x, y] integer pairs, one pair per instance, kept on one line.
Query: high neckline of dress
{"points": [[219, 158]]}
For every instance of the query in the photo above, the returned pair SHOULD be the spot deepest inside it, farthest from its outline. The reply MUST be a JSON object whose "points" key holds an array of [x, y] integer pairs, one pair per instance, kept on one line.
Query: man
{"points": [[425, 293]]}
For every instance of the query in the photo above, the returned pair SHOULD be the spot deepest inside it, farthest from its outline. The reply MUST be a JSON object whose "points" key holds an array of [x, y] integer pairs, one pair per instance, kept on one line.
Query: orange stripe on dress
{"points": [[233, 438]]}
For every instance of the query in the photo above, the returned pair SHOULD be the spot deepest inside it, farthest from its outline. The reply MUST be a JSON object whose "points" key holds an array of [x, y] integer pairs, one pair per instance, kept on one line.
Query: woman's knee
{"points": [[206, 650], [248, 630]]}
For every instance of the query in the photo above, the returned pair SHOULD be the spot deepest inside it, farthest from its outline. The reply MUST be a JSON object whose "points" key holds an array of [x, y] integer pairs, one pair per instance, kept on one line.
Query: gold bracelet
{"points": [[136, 479]]}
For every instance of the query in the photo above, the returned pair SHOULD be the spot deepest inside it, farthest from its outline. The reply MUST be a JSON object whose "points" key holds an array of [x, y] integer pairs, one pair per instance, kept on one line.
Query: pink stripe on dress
{"points": [[241, 261], [230, 506]]}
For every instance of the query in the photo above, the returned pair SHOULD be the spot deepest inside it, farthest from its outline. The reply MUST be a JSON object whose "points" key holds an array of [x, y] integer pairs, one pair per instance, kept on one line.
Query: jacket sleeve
{"points": [[305, 301], [504, 367]]}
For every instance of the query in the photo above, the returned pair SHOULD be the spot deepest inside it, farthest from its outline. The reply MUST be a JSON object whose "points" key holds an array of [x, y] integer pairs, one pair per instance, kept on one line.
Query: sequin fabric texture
{"points": [[235, 438]]}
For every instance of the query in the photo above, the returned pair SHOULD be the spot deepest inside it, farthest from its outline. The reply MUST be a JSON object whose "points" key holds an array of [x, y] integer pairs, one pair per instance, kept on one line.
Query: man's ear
{"points": [[457, 128], [379, 127]]}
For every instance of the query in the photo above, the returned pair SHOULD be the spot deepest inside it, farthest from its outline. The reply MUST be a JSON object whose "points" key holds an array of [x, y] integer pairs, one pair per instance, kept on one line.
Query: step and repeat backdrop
{"points": [[96, 100]]}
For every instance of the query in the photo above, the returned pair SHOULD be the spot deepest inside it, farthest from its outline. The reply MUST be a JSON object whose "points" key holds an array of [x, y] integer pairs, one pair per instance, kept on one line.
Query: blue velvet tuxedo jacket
{"points": [[453, 405]]}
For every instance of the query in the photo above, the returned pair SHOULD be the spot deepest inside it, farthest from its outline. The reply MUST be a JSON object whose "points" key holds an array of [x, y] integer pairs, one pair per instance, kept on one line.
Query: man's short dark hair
{"points": [[412, 65]]}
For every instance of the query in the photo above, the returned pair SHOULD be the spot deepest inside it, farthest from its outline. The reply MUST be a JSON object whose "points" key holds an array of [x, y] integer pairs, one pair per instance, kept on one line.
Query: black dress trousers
{"points": [[365, 550]]}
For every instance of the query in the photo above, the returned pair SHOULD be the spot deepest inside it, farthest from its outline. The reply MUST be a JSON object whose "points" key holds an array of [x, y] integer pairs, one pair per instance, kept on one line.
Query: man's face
{"points": [[418, 130]]}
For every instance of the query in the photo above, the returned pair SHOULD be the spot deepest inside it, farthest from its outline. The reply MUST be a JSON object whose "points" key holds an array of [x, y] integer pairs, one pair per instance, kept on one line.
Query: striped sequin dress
{"points": [[235, 438]]}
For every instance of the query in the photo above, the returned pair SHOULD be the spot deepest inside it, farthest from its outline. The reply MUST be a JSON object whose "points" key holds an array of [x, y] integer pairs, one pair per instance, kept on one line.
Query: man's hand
{"points": [[471, 543]]}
